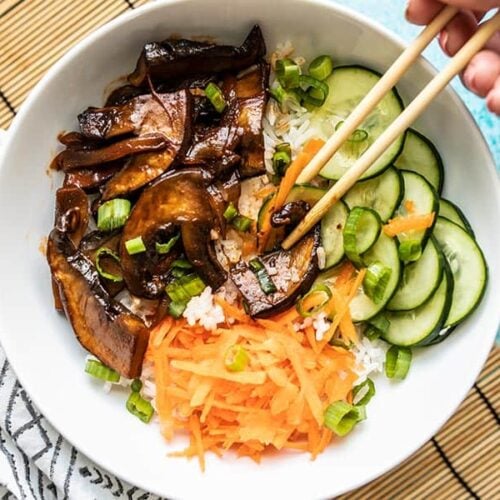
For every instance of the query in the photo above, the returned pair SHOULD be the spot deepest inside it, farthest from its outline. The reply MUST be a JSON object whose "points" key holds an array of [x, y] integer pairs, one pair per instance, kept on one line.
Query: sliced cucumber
{"points": [[470, 272], [382, 193], [424, 199], [384, 251], [305, 192], [420, 155], [451, 212], [332, 239], [421, 326], [420, 279], [348, 85]]}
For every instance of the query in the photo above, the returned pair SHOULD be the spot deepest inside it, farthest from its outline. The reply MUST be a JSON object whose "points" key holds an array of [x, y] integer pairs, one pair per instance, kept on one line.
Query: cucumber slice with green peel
{"points": [[423, 325], [451, 212], [382, 193], [384, 251], [421, 156], [305, 192], [361, 231], [419, 279], [469, 269], [424, 200], [347, 87], [332, 239]]}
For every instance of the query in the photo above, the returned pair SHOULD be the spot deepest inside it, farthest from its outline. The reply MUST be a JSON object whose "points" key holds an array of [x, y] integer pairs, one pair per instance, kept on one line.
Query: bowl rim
{"points": [[129, 16]]}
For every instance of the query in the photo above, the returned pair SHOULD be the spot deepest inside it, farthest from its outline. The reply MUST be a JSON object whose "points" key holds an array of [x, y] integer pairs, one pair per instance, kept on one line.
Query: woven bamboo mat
{"points": [[462, 460]]}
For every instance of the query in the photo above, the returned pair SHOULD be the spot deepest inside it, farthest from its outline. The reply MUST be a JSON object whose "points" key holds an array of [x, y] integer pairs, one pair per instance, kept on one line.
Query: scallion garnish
{"points": [[181, 291], [363, 393], [216, 97], [100, 371], [321, 67], [341, 417], [242, 223], [136, 385], [231, 212], [288, 73], [265, 282], [282, 158], [314, 91], [410, 250], [113, 214], [359, 135], [377, 326], [102, 253], [314, 301], [236, 358], [139, 407], [175, 309], [376, 280], [397, 362], [181, 264], [135, 246], [192, 283], [164, 248]]}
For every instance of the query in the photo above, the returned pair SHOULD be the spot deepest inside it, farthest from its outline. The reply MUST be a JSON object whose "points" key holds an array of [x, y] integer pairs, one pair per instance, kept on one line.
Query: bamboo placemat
{"points": [[462, 460]]}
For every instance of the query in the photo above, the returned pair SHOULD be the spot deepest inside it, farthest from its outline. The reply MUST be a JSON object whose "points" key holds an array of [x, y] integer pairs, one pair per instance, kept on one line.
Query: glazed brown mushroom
{"points": [[90, 180], [103, 326], [293, 272], [179, 200], [172, 59]]}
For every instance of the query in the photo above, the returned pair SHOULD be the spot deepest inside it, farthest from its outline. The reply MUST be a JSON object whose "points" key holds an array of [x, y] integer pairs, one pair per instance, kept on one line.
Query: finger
{"points": [[422, 11], [493, 99], [457, 32], [477, 5], [482, 72]]}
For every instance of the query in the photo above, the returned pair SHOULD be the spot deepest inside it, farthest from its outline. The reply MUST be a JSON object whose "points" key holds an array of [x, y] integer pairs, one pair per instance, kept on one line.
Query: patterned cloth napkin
{"points": [[36, 462]]}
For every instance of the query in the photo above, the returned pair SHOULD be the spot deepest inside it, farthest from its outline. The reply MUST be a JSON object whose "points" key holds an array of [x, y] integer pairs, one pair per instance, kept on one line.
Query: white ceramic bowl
{"points": [[49, 361]]}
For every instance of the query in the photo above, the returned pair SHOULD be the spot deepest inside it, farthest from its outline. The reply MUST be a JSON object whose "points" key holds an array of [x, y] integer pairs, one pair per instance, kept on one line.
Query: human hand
{"points": [[482, 75]]}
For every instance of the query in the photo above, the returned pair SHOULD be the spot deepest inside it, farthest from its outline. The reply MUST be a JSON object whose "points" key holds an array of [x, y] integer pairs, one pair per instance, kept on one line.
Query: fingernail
{"points": [[470, 79], [443, 40]]}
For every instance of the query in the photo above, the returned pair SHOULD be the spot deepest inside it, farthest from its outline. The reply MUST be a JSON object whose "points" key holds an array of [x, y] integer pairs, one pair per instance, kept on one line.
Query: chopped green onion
{"points": [[313, 91], [177, 293], [164, 248], [231, 212], [216, 97], [397, 362], [282, 158], [302, 306], [177, 272], [321, 67], [278, 93], [376, 280], [113, 214], [410, 250], [100, 371], [377, 326], [341, 344], [362, 393], [265, 282], [242, 223], [192, 283], [359, 135], [136, 385], [341, 417], [288, 73], [175, 309], [135, 245], [106, 252], [139, 407], [372, 333], [236, 358], [182, 264]]}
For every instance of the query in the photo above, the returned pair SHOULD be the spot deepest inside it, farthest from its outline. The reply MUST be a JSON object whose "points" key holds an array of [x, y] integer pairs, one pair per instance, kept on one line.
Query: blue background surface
{"points": [[390, 13]]}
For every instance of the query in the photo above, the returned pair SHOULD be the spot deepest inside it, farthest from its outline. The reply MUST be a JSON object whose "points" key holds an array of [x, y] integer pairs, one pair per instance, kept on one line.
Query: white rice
{"points": [[370, 358], [202, 310]]}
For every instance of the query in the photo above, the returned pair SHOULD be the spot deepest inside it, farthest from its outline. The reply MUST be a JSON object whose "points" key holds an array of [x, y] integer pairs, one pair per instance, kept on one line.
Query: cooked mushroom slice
{"points": [[290, 214], [103, 326], [71, 159], [292, 273], [183, 58], [91, 180], [123, 94], [252, 99], [180, 200], [72, 212]]}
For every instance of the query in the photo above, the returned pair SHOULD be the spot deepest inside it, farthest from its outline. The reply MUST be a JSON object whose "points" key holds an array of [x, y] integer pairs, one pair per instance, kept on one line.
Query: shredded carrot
{"points": [[286, 185], [277, 401], [409, 206], [410, 223]]}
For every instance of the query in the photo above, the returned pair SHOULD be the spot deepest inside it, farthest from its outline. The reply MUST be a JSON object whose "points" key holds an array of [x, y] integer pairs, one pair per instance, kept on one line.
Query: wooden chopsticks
{"points": [[397, 127]]}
